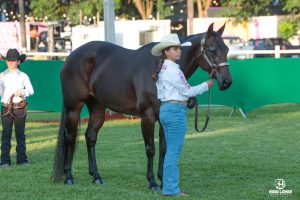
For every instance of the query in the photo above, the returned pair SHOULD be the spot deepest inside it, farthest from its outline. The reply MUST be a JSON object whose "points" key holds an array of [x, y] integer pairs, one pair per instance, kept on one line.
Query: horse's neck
{"points": [[188, 62]]}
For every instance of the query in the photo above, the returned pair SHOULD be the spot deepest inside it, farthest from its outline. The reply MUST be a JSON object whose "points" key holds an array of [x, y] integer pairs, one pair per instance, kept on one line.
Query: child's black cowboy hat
{"points": [[13, 54]]}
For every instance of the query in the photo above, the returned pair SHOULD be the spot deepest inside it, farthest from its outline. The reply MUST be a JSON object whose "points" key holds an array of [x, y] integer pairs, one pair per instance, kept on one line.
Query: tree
{"points": [[144, 7], [202, 7], [88, 8], [287, 29], [125, 10], [163, 9], [292, 6], [290, 24], [55, 10], [244, 9], [46, 8]]}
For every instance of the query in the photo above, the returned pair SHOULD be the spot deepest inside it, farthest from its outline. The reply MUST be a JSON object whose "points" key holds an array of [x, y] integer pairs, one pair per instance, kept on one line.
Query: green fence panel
{"points": [[44, 77], [256, 82]]}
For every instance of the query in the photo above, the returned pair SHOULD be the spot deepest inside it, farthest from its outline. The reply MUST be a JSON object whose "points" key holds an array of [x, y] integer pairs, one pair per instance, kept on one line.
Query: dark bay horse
{"points": [[103, 75]]}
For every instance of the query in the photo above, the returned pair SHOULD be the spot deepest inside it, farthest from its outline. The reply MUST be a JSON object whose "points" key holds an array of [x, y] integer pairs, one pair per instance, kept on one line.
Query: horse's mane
{"points": [[196, 37], [146, 46], [191, 38]]}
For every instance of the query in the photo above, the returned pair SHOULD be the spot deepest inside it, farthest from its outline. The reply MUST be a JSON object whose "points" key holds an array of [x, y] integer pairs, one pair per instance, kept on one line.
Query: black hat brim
{"points": [[21, 58]]}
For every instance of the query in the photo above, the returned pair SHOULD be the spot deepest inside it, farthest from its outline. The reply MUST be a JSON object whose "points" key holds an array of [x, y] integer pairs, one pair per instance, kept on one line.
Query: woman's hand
{"points": [[210, 83], [18, 93]]}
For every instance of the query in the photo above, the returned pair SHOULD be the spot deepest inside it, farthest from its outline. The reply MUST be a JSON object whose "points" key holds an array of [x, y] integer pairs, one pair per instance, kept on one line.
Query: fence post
{"points": [[277, 51], [109, 20]]}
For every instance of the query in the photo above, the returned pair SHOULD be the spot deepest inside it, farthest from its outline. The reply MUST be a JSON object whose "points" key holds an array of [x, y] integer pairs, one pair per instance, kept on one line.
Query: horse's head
{"points": [[212, 57]]}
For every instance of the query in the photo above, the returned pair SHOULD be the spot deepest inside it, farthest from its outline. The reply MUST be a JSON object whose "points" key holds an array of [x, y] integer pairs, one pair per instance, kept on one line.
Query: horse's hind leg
{"points": [[148, 124], [72, 120], [162, 152], [96, 120]]}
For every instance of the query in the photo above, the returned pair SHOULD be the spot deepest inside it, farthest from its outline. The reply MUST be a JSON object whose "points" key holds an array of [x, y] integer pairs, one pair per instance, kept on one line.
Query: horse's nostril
{"points": [[226, 83]]}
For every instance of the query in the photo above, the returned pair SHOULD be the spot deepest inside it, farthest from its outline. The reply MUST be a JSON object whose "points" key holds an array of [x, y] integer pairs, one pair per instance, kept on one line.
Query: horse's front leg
{"points": [[162, 153], [96, 120], [148, 124]]}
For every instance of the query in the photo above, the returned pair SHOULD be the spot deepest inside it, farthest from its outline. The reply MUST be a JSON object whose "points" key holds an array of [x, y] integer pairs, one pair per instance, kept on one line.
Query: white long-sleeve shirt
{"points": [[10, 82], [172, 85]]}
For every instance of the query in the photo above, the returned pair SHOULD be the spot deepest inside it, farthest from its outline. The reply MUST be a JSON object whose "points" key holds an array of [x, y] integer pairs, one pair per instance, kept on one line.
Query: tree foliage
{"points": [[55, 10], [144, 7], [239, 9], [287, 29], [46, 9], [290, 25], [202, 7], [89, 8], [291, 5], [163, 9], [244, 9]]}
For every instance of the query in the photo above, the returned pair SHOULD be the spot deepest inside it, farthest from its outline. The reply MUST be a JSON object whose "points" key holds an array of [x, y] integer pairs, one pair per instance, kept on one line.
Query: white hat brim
{"points": [[157, 49]]}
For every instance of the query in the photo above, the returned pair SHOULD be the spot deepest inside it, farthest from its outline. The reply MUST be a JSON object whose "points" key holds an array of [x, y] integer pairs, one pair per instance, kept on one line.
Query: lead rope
{"points": [[213, 68], [207, 115]]}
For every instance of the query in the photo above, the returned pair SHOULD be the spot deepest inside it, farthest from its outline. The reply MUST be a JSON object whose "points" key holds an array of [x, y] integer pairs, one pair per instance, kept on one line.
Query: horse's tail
{"points": [[59, 159]]}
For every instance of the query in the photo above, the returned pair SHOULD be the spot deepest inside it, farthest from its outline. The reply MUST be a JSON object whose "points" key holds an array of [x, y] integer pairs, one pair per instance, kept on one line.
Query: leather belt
{"points": [[177, 102]]}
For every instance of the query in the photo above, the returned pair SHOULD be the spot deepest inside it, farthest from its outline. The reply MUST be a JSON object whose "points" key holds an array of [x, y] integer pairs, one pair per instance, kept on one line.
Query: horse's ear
{"points": [[210, 30], [221, 30]]}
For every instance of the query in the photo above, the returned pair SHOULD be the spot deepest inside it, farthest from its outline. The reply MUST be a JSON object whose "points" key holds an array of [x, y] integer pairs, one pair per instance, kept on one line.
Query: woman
{"points": [[15, 85], [173, 91]]}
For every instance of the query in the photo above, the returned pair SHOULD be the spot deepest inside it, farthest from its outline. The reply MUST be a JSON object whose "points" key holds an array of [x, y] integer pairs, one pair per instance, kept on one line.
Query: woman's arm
{"points": [[28, 89], [178, 80]]}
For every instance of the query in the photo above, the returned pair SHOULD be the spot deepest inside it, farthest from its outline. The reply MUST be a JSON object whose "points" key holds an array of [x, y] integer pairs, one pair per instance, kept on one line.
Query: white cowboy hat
{"points": [[167, 41]]}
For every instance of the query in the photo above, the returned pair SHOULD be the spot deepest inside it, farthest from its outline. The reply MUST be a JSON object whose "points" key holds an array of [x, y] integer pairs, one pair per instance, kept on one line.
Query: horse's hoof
{"points": [[154, 188], [69, 181], [98, 181]]}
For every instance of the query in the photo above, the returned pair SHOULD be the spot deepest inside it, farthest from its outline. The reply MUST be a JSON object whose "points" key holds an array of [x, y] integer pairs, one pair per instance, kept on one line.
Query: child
{"points": [[173, 91], [15, 85]]}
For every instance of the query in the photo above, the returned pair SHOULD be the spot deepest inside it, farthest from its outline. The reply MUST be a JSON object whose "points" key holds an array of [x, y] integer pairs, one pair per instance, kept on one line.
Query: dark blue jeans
{"points": [[17, 119], [174, 121]]}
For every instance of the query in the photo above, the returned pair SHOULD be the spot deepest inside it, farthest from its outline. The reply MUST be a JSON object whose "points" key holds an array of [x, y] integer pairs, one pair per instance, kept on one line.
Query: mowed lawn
{"points": [[234, 159]]}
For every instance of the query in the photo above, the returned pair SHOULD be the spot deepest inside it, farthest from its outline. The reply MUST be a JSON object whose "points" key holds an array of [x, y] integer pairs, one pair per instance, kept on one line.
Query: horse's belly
{"points": [[125, 107], [118, 102]]}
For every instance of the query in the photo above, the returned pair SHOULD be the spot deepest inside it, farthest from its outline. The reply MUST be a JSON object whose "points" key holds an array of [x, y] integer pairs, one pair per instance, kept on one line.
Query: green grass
{"points": [[234, 159]]}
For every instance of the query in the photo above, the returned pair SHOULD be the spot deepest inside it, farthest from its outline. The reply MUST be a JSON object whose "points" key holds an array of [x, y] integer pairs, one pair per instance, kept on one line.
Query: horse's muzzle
{"points": [[226, 83]]}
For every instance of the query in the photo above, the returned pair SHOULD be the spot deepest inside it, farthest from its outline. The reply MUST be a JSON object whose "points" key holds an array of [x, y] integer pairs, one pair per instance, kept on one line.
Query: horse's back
{"points": [[115, 76]]}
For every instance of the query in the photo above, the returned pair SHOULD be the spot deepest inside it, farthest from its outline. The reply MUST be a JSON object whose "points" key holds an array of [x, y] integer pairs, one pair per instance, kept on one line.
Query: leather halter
{"points": [[203, 52], [213, 68]]}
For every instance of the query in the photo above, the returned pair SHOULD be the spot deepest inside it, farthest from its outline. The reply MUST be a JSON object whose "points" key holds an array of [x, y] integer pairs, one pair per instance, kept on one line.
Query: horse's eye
{"points": [[212, 51]]}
